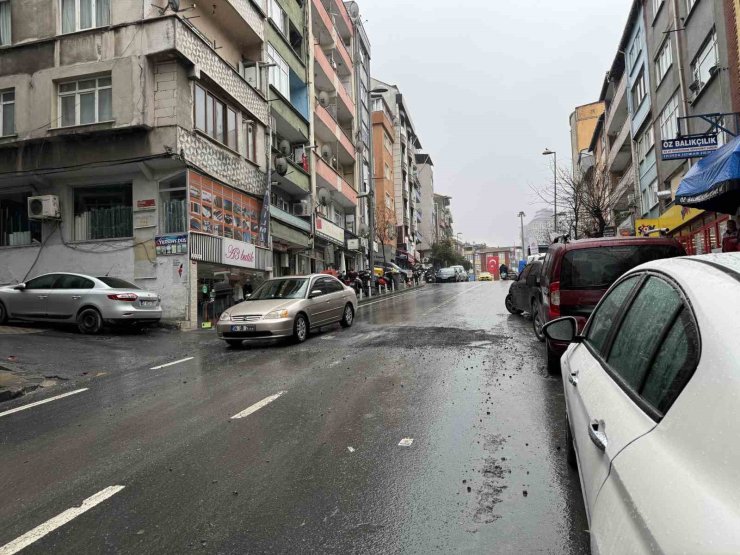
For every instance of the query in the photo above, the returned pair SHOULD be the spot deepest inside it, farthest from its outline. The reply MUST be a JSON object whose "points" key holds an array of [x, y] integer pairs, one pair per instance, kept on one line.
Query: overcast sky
{"points": [[490, 84]]}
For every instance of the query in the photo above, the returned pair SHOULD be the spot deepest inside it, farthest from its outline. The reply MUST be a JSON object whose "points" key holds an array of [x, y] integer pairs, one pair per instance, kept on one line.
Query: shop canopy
{"points": [[714, 182]]}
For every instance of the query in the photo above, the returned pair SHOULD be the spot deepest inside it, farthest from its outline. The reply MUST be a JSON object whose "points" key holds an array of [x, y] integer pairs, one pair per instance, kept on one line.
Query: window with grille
{"points": [[706, 62], [173, 206], [103, 212], [15, 227]]}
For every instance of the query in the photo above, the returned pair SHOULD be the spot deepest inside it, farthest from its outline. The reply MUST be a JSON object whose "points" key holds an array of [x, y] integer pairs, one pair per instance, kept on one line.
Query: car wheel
{"points": [[509, 302], [300, 329], [553, 362], [3, 314], [89, 321], [537, 322], [570, 446], [348, 317], [234, 343]]}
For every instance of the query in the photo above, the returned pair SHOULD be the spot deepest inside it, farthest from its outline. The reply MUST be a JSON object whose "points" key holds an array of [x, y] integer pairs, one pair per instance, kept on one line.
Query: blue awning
{"points": [[713, 183]]}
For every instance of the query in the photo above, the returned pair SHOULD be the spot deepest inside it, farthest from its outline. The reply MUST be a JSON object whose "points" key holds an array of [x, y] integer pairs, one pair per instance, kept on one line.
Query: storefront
{"points": [[225, 262], [699, 231], [330, 240]]}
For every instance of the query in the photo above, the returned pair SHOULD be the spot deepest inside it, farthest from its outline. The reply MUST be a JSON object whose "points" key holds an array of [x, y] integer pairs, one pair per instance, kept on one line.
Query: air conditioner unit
{"points": [[301, 209], [45, 207]]}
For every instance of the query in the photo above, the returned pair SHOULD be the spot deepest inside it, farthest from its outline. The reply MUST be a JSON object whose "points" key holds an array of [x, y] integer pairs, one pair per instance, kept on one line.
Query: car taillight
{"points": [[555, 300], [129, 297]]}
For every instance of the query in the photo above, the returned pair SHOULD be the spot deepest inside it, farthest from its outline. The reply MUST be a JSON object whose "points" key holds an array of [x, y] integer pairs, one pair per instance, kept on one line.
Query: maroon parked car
{"points": [[576, 274]]}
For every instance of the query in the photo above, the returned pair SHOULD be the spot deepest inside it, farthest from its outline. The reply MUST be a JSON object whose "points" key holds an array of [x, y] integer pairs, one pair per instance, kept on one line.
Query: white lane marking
{"points": [[257, 406], [37, 403], [60, 520], [328, 337], [351, 449], [171, 363], [406, 442]]}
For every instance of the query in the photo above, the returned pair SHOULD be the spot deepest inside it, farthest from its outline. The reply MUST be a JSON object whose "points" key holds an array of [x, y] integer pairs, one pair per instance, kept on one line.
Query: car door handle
{"points": [[76, 297], [43, 296], [573, 378], [598, 438]]}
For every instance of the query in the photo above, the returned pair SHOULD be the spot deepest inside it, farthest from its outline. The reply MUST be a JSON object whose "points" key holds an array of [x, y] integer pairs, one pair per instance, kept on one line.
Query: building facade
{"points": [[582, 124], [384, 139], [150, 130], [442, 218], [425, 206]]}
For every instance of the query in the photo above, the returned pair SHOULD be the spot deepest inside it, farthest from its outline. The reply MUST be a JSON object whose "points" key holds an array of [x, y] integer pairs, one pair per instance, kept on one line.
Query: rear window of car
{"points": [[117, 283], [599, 267]]}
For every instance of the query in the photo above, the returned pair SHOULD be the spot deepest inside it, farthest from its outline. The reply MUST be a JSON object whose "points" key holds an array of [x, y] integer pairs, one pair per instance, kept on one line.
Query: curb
{"points": [[374, 298]]}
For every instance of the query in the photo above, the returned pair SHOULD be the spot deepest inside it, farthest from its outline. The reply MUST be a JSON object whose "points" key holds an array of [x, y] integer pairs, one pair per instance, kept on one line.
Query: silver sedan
{"points": [[289, 307], [88, 301]]}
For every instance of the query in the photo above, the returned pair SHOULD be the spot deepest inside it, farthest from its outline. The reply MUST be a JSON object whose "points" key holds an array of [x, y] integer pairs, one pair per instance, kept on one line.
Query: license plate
{"points": [[147, 304], [243, 328]]}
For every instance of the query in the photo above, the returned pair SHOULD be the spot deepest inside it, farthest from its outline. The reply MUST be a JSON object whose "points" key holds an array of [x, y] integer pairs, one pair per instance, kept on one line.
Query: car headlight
{"points": [[276, 314], [225, 316]]}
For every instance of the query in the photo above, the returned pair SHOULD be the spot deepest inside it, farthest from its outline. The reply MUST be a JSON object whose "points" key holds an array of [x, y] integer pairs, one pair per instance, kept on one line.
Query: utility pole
{"points": [[548, 152], [521, 216]]}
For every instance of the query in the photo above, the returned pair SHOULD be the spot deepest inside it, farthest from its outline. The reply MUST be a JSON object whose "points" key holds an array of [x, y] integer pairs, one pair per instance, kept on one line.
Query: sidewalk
{"points": [[396, 293]]}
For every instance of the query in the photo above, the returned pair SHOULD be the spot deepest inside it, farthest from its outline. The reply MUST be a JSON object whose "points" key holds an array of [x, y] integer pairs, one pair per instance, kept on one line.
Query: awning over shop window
{"points": [[713, 183]]}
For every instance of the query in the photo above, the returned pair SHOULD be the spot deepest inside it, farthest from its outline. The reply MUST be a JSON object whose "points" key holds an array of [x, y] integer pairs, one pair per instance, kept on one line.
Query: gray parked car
{"points": [[289, 307], [90, 302]]}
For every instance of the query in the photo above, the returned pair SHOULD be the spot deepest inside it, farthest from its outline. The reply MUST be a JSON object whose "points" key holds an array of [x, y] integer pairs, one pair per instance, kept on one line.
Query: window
{"points": [[42, 282], [635, 48], [86, 101], [173, 207], [663, 61], [652, 192], [641, 331], [15, 227], [668, 119], [645, 143], [605, 316], [278, 16], [387, 142], [117, 283], [333, 286], [103, 212], [7, 112], [279, 74], [387, 200], [249, 149], [387, 171], [706, 63], [67, 281], [534, 274], [638, 91], [5, 33], [657, 4], [690, 5], [78, 15], [215, 118]]}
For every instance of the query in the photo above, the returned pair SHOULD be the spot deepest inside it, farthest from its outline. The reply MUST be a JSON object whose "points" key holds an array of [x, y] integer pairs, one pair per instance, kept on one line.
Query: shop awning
{"points": [[713, 183]]}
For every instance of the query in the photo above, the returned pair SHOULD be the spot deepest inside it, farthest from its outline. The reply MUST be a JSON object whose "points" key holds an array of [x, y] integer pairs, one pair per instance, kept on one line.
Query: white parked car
{"points": [[652, 389]]}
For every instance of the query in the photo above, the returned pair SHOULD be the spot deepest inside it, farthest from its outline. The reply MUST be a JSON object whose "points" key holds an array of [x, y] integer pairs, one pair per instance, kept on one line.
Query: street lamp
{"points": [[548, 152]]}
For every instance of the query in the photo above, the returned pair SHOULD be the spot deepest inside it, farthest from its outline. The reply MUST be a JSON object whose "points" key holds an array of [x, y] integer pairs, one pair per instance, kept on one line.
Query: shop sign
{"points": [[689, 147], [610, 231], [353, 244], [238, 253], [171, 244], [145, 204], [329, 230]]}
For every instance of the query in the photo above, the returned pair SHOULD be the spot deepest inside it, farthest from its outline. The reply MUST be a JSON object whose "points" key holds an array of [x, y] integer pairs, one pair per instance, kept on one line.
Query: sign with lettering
{"points": [[171, 244], [353, 244], [238, 253], [329, 230], [688, 147]]}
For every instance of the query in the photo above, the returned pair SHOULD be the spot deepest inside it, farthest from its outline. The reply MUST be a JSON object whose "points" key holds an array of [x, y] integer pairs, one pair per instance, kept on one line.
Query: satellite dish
{"points": [[324, 196], [281, 165], [326, 152], [285, 147], [354, 11], [324, 98], [174, 5], [363, 229]]}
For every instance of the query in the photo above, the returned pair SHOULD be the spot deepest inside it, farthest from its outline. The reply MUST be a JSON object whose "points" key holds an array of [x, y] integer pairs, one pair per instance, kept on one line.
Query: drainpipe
{"points": [[679, 61], [311, 135]]}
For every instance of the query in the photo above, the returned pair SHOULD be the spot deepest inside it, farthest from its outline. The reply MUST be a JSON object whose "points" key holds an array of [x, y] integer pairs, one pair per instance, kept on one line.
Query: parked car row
{"points": [[451, 274]]}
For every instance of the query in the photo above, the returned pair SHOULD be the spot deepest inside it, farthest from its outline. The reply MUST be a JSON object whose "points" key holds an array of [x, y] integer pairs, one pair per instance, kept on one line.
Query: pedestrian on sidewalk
{"points": [[730, 238]]}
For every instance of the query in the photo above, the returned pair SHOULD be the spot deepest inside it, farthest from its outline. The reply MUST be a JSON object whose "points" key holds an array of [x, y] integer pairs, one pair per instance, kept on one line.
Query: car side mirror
{"points": [[315, 293], [563, 329], [19, 287]]}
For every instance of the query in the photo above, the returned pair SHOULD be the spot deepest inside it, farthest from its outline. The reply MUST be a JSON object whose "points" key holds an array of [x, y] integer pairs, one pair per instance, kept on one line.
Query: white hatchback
{"points": [[652, 391]]}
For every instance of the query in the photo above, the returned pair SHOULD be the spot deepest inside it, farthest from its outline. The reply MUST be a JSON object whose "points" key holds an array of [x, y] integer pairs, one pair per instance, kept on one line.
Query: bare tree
{"points": [[571, 192], [385, 227]]}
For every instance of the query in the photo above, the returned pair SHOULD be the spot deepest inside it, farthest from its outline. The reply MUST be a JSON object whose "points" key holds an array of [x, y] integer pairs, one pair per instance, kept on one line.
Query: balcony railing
{"points": [[290, 219], [326, 118], [337, 183], [332, 75]]}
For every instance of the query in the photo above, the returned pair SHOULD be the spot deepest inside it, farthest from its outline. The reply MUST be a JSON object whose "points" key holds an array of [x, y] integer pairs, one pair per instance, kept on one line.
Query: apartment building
{"points": [[147, 128], [407, 187], [334, 154], [582, 124], [425, 206], [384, 139], [287, 52], [443, 218]]}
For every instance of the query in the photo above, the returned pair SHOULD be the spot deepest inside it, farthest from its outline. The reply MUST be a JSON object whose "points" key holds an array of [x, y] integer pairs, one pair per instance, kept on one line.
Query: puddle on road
{"points": [[415, 337]]}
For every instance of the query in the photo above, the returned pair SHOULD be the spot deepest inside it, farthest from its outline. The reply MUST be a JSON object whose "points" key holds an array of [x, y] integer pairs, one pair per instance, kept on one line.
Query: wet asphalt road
{"points": [[446, 366]]}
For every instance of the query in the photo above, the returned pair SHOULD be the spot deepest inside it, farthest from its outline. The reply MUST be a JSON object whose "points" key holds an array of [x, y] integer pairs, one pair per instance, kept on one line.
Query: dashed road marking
{"points": [[171, 363], [351, 449], [60, 520], [257, 406], [37, 403], [406, 442]]}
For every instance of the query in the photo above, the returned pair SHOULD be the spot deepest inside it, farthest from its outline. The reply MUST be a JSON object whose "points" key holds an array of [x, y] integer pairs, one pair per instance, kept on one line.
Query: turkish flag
{"points": [[492, 265]]}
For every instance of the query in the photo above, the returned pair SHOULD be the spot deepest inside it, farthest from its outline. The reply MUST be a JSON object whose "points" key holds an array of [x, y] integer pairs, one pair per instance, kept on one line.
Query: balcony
{"points": [[620, 150], [328, 79], [249, 14], [329, 131], [625, 187], [405, 193], [341, 191], [290, 219], [618, 112], [328, 35]]}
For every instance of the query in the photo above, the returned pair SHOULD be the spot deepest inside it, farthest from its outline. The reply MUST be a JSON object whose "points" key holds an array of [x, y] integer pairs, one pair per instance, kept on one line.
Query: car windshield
{"points": [[599, 267], [117, 283], [281, 289]]}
